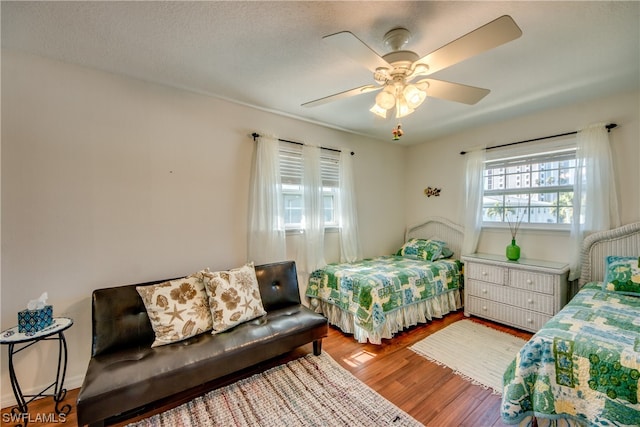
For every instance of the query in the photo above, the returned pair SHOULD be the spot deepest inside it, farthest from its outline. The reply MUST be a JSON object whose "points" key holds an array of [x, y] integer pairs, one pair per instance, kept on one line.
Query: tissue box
{"points": [[32, 321]]}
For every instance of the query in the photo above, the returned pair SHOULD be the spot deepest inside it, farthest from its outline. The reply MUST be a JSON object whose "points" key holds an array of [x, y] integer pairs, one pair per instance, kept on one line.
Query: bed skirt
{"points": [[395, 321]]}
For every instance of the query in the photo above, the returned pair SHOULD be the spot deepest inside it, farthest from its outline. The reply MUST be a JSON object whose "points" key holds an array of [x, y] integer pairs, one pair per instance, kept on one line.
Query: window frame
{"points": [[547, 152]]}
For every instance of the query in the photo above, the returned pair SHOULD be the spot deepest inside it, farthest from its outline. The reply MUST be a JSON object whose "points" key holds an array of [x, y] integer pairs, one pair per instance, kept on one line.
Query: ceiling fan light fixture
{"points": [[379, 111], [413, 96], [386, 99], [402, 108]]}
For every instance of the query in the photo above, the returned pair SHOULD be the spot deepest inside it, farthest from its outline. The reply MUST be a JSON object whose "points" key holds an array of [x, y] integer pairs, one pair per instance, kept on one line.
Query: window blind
{"points": [[291, 165]]}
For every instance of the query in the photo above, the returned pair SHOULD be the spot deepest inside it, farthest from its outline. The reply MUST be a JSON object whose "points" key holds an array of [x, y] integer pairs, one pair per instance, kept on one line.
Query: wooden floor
{"points": [[432, 394]]}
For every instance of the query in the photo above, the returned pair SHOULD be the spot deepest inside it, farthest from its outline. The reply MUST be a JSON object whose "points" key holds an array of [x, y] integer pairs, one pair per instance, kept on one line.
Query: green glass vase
{"points": [[513, 251]]}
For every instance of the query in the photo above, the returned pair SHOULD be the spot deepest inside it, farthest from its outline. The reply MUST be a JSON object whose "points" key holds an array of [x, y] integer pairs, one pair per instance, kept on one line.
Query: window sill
{"points": [[328, 229], [561, 228]]}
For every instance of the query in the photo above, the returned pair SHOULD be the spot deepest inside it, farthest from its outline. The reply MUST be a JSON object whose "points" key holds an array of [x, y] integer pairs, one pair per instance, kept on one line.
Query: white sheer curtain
{"points": [[474, 190], [595, 202], [350, 249], [313, 217], [266, 240]]}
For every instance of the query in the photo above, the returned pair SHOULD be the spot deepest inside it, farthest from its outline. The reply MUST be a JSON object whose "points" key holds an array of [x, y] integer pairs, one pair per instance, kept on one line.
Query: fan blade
{"points": [[489, 36], [357, 50], [345, 94], [454, 91]]}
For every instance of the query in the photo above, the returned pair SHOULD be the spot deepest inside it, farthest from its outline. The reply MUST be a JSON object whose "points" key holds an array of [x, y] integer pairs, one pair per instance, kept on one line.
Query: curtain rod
{"points": [[256, 135], [608, 127]]}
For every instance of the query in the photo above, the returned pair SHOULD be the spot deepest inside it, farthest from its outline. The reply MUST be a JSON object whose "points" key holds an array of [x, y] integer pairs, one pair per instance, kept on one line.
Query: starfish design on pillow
{"points": [[246, 305], [176, 314]]}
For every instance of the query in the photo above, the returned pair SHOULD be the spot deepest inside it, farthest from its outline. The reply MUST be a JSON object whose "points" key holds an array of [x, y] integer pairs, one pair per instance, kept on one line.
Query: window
{"points": [[537, 187], [291, 174]]}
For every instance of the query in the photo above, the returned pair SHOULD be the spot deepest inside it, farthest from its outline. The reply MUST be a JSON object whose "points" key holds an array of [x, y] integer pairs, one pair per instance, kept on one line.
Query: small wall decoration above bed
{"points": [[432, 191]]}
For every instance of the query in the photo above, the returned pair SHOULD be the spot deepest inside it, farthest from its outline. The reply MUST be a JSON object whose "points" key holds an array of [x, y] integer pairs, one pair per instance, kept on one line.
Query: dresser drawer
{"points": [[524, 294], [541, 303], [486, 273], [530, 281], [523, 319]]}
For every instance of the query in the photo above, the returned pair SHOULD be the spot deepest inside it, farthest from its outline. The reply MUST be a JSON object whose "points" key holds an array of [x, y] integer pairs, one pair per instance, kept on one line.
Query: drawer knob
{"points": [[529, 320], [484, 291], [530, 301], [484, 273], [484, 308], [529, 281]]}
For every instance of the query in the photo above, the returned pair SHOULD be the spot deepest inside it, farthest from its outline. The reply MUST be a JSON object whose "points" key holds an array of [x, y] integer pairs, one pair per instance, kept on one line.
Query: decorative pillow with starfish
{"points": [[234, 296], [177, 309]]}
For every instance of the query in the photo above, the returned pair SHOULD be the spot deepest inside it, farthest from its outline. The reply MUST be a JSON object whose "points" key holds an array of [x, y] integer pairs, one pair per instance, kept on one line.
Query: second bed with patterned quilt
{"points": [[377, 297]]}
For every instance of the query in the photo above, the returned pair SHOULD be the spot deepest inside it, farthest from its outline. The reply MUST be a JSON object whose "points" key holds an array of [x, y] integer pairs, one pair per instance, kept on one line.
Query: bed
{"points": [[583, 367], [375, 298]]}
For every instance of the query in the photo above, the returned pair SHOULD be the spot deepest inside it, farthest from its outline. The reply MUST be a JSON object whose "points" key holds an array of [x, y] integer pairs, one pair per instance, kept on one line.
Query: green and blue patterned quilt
{"points": [[582, 366], [371, 288]]}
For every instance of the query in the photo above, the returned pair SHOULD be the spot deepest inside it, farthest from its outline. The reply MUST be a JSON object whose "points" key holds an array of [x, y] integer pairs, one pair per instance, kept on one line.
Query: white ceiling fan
{"points": [[395, 71]]}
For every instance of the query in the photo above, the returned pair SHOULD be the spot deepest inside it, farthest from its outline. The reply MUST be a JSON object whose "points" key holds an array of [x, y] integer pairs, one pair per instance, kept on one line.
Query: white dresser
{"points": [[524, 293]]}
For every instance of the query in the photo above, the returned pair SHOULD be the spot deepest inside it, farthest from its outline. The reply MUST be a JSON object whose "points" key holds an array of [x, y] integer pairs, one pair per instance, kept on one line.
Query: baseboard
{"points": [[8, 399]]}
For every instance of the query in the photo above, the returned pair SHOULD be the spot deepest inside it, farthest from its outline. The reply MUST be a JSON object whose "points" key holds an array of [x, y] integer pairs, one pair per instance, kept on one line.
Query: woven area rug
{"points": [[474, 351], [310, 391]]}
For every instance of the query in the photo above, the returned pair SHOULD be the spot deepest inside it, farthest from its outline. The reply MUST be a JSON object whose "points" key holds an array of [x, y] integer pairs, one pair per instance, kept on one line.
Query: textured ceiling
{"points": [[271, 55]]}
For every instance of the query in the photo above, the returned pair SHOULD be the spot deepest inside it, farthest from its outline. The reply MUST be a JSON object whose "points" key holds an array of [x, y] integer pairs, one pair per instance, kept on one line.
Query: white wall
{"points": [[108, 180], [439, 164]]}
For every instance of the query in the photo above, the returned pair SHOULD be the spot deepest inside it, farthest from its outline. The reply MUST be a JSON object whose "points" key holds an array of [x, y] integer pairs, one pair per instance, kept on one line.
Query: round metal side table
{"points": [[54, 332]]}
